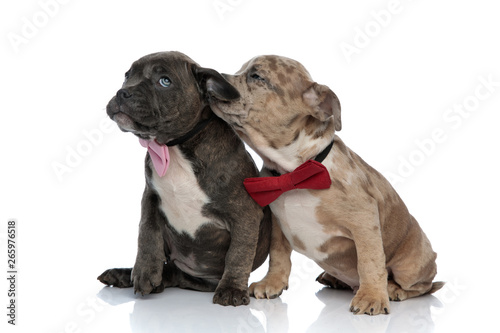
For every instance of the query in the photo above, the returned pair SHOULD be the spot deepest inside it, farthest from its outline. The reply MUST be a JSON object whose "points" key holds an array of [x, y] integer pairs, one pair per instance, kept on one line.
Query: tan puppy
{"points": [[359, 230]]}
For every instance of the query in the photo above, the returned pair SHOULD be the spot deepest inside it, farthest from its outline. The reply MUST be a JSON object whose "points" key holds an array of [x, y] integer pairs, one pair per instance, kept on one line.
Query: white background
{"points": [[411, 71]]}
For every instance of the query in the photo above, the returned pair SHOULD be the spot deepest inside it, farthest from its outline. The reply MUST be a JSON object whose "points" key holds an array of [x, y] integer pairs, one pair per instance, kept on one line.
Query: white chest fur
{"points": [[182, 199], [296, 211]]}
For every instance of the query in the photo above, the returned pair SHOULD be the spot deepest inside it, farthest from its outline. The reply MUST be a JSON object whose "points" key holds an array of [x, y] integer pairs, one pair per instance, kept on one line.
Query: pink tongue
{"points": [[159, 155]]}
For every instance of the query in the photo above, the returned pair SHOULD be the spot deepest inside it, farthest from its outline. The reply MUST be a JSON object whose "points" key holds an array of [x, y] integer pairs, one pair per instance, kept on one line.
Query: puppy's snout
{"points": [[123, 94]]}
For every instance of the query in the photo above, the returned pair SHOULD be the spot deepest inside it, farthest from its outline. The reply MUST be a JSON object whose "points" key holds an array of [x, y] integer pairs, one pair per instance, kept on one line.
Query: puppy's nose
{"points": [[123, 94]]}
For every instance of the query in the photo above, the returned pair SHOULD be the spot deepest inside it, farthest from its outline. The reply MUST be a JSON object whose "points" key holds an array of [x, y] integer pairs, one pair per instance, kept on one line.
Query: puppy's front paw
{"points": [[117, 277], [271, 286], [147, 278], [370, 301], [231, 296]]}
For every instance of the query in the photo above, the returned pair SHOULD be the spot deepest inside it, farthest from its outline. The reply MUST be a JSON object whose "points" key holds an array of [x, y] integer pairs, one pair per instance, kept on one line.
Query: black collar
{"points": [[319, 158], [201, 125]]}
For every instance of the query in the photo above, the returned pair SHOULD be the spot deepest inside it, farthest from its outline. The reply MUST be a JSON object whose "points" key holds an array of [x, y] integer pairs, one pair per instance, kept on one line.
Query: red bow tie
{"points": [[311, 175]]}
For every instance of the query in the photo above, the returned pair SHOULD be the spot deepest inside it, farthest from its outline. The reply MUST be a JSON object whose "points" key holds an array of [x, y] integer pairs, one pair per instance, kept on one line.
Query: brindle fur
{"points": [[235, 238]]}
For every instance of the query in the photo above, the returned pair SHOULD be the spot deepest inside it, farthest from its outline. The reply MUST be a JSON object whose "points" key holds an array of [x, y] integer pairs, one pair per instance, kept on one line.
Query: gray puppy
{"points": [[199, 228]]}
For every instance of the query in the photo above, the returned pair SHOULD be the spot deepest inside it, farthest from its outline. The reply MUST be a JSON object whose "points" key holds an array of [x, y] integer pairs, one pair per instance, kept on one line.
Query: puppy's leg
{"points": [[233, 287], [148, 268], [413, 267], [276, 280], [371, 297]]}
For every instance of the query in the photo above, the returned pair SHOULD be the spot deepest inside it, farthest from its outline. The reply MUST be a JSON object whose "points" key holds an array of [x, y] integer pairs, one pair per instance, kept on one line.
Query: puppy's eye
{"points": [[257, 77], [164, 82], [127, 75]]}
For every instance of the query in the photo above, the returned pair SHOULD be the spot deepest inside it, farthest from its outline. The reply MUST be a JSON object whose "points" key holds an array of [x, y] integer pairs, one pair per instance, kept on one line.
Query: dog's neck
{"points": [[204, 140], [205, 117], [306, 146], [196, 129]]}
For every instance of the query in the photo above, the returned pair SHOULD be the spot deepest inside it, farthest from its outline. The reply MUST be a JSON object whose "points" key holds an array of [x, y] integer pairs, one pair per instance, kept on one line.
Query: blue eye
{"points": [[165, 82], [257, 77]]}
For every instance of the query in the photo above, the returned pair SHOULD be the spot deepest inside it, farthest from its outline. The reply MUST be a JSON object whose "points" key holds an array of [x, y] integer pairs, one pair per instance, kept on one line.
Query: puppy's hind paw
{"points": [[117, 277], [331, 281]]}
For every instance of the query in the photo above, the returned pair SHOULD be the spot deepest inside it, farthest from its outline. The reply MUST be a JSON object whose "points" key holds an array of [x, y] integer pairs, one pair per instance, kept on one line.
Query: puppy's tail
{"points": [[435, 287]]}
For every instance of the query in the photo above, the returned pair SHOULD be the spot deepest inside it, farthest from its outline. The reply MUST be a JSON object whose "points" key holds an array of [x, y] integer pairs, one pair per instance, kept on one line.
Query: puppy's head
{"points": [[164, 95], [279, 105]]}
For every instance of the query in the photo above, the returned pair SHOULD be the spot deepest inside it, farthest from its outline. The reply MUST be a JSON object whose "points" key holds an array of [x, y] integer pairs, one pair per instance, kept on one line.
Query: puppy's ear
{"points": [[324, 103], [211, 83]]}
